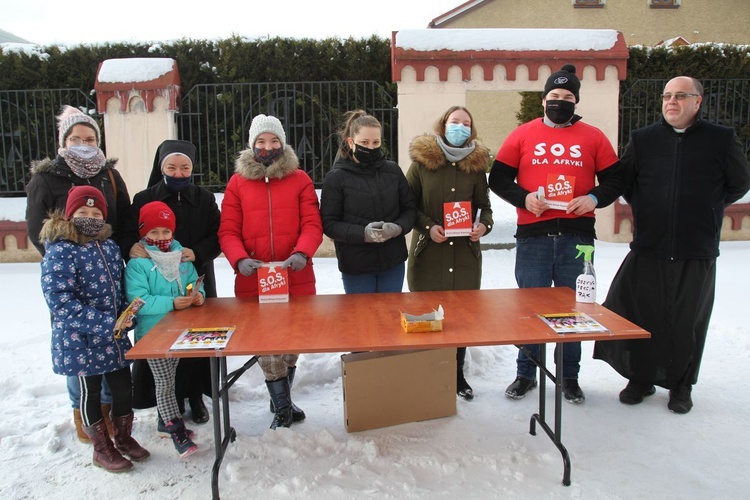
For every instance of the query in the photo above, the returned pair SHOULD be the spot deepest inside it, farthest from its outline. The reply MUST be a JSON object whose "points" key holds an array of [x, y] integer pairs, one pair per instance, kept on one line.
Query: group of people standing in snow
{"points": [[678, 175]]}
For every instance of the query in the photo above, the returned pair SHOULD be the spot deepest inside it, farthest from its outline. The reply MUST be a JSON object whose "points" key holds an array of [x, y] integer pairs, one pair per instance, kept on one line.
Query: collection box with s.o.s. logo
{"points": [[457, 218], [273, 283]]}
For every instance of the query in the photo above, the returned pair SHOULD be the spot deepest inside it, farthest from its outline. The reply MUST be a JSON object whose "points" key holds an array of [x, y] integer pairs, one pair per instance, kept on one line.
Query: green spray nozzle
{"points": [[586, 250]]}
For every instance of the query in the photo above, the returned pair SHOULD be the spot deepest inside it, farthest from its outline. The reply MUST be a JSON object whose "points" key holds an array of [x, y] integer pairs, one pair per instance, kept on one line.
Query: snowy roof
{"points": [[455, 12], [506, 39], [8, 37], [136, 69]]}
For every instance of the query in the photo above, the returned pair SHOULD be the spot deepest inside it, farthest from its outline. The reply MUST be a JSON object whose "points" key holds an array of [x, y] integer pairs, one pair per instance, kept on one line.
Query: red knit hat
{"points": [[155, 214], [89, 196]]}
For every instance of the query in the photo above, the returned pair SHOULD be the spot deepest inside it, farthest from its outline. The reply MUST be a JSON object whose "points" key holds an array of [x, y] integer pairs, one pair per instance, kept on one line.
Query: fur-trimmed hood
{"points": [[56, 165], [57, 228], [425, 150], [249, 168]]}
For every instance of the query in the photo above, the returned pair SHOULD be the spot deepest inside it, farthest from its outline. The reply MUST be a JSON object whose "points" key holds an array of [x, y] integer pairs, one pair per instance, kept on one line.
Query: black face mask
{"points": [[366, 155], [176, 184], [560, 112]]}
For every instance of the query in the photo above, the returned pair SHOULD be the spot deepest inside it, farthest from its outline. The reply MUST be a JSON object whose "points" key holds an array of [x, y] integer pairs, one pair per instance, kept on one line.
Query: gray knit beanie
{"points": [[262, 124]]}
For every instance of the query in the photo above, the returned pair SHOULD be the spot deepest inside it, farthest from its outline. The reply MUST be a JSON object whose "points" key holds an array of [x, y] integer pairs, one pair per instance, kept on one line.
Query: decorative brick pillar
{"points": [[139, 99]]}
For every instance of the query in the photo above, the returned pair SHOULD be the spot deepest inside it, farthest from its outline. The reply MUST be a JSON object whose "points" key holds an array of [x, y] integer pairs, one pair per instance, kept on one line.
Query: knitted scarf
{"points": [[85, 169], [455, 154]]}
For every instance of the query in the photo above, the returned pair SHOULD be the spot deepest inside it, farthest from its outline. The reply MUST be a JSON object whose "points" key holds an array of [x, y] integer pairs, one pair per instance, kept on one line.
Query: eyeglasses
{"points": [[680, 96], [77, 141]]}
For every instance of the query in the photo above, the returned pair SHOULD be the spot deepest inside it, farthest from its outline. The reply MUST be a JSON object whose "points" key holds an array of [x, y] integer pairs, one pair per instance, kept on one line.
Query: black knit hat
{"points": [[168, 148], [564, 79]]}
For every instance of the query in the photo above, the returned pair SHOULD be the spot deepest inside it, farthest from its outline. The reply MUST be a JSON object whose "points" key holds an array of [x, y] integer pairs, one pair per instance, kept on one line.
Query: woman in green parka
{"points": [[449, 165]]}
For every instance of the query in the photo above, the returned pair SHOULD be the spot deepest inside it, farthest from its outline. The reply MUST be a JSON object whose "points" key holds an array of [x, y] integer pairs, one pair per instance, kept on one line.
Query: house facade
{"points": [[642, 22]]}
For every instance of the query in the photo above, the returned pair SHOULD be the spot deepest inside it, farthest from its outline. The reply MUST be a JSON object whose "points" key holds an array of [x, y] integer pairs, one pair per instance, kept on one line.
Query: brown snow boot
{"points": [[106, 455], [106, 409], [124, 442], [82, 437]]}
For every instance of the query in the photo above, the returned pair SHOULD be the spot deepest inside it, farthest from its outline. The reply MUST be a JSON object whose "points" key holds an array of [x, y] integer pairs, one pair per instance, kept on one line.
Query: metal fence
{"points": [[28, 130], [726, 102], [216, 118]]}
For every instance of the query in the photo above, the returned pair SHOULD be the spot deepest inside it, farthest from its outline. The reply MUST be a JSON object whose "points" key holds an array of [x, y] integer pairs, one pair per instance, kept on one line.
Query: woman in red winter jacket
{"points": [[270, 213]]}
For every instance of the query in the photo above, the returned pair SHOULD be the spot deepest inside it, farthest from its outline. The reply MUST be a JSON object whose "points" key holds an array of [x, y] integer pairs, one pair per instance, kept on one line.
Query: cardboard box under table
{"points": [[397, 387]]}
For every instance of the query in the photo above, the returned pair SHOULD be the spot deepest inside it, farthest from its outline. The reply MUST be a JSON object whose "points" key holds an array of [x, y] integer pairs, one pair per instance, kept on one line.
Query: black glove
{"points": [[296, 261], [246, 267]]}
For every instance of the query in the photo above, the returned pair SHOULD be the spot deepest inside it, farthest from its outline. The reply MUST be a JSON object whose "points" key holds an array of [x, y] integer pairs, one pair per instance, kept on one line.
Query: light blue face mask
{"points": [[457, 134]]}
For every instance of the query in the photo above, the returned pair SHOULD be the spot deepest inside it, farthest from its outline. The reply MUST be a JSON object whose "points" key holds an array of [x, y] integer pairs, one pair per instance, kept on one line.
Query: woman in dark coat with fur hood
{"points": [[449, 165], [197, 216], [79, 162]]}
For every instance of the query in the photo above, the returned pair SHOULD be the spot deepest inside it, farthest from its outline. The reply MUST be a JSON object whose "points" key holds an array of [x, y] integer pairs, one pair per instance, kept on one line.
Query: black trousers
{"points": [[91, 388]]}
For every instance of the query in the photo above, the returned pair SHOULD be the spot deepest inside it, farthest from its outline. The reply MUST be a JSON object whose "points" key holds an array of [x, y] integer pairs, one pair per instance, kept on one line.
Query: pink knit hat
{"points": [[70, 117]]}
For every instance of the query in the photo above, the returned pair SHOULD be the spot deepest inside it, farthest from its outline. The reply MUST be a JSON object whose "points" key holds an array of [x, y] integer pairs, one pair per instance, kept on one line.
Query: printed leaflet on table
{"points": [[203, 338], [575, 322]]}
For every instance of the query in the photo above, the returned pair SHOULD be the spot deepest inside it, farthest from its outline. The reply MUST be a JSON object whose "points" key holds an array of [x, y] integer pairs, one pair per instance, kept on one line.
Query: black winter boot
{"points": [[282, 402], [198, 408], [463, 389], [297, 413]]}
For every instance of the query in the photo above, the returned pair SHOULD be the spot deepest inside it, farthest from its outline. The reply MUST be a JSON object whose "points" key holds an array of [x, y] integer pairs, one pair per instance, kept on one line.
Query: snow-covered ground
{"points": [[485, 451]]}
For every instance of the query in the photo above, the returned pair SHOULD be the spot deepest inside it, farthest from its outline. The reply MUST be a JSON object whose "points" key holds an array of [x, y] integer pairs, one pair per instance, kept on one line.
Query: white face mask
{"points": [[83, 151]]}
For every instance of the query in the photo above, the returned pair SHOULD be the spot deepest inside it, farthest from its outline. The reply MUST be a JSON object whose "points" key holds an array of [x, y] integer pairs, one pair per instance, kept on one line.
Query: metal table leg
{"points": [[220, 385], [540, 417]]}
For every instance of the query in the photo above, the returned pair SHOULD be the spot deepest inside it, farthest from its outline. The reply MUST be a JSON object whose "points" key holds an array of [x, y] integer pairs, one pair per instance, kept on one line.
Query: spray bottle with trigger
{"points": [[586, 282]]}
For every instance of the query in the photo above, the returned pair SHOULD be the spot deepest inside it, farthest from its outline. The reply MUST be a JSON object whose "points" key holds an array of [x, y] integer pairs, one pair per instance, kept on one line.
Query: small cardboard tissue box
{"points": [[430, 322], [273, 283]]}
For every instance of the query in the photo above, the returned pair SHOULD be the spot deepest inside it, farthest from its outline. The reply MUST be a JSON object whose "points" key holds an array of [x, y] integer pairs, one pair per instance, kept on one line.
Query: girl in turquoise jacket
{"points": [[161, 282]]}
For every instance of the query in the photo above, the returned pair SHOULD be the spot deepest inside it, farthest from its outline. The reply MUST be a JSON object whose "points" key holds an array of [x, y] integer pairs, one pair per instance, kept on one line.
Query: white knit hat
{"points": [[262, 124], [70, 117]]}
